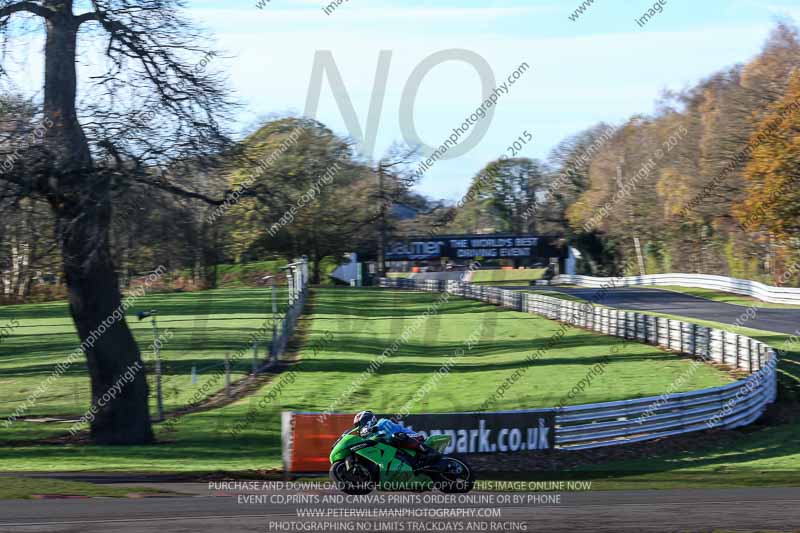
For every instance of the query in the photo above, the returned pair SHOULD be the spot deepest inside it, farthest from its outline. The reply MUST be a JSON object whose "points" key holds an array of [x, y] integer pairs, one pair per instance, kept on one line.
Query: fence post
{"points": [[612, 322], [773, 374], [750, 355], [669, 333], [290, 283], [159, 394], [625, 325], [738, 347], [272, 350], [658, 331], [227, 376], [157, 355], [694, 340], [724, 343]]}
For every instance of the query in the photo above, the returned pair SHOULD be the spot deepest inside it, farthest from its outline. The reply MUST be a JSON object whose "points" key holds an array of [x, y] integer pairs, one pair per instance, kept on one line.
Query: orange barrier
{"points": [[308, 438]]}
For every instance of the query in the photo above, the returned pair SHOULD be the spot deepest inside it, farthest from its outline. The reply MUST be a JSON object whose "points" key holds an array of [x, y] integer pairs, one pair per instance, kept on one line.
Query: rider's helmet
{"points": [[364, 419]]}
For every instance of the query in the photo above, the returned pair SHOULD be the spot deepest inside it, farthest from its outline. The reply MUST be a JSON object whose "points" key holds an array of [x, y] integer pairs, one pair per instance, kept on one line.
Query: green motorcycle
{"points": [[361, 464]]}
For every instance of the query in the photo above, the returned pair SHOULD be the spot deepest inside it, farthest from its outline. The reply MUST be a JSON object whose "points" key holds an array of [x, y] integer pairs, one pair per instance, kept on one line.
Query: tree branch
{"points": [[86, 17], [174, 189], [30, 7]]}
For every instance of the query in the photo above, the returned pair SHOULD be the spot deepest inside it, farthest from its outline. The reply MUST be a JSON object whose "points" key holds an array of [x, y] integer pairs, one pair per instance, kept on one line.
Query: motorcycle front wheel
{"points": [[359, 480]]}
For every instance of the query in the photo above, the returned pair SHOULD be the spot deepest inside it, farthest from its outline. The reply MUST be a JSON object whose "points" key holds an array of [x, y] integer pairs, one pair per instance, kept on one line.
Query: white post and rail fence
{"points": [[307, 436], [766, 293], [610, 423]]}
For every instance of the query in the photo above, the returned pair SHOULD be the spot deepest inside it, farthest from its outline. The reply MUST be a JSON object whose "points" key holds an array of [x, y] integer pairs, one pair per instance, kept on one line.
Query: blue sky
{"points": [[601, 67]]}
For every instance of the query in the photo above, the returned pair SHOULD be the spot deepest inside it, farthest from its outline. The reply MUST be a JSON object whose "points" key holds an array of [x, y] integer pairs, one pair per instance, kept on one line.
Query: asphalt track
{"points": [[674, 303], [204, 510]]}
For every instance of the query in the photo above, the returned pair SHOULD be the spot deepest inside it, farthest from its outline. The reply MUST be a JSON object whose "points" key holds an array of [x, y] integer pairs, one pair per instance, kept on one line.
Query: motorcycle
{"points": [[361, 464]]}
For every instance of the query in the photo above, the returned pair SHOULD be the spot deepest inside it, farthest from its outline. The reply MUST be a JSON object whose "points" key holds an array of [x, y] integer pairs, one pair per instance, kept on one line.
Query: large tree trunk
{"points": [[82, 205], [96, 307]]}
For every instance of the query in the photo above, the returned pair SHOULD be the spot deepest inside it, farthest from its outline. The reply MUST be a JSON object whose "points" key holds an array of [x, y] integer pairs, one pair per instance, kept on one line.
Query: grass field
{"points": [[507, 276], [764, 454], [245, 274], [350, 327], [789, 367], [198, 329], [493, 277], [236, 275]]}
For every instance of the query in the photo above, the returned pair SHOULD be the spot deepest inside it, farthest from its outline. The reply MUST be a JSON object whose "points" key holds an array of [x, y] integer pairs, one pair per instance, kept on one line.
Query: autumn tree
{"points": [[771, 207], [568, 176], [305, 194], [502, 197], [683, 212]]}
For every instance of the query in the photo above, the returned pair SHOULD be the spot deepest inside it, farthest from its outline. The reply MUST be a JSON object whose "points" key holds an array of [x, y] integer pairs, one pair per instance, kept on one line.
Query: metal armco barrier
{"points": [[611, 423], [766, 293]]}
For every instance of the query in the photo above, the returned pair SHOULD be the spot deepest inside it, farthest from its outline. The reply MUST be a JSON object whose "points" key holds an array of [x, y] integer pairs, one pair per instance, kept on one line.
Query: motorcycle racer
{"points": [[396, 434]]}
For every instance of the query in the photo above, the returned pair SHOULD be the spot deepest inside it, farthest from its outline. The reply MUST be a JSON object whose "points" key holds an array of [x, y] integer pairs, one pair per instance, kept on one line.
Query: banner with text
{"points": [[308, 437], [472, 247]]}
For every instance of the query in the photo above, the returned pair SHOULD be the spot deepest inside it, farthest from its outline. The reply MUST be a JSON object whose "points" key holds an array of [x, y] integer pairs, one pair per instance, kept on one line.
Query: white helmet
{"points": [[364, 419]]}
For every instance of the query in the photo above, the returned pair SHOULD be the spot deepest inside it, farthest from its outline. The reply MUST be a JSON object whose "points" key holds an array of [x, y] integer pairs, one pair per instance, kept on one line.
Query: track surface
{"points": [[661, 301], [741, 510], [675, 303]]}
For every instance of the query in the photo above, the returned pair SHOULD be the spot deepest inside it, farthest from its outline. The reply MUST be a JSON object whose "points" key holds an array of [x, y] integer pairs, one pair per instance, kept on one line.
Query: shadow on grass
{"points": [[586, 343], [389, 367], [225, 301]]}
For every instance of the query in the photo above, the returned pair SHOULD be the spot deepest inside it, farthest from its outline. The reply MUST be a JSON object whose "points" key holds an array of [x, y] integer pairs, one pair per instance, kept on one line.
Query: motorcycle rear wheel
{"points": [[455, 475]]}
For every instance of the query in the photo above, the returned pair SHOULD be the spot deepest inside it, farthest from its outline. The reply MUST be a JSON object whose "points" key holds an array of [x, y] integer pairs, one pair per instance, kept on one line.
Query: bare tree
{"points": [[395, 178], [152, 105]]}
